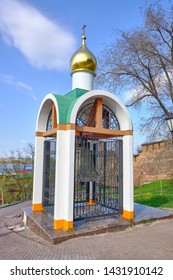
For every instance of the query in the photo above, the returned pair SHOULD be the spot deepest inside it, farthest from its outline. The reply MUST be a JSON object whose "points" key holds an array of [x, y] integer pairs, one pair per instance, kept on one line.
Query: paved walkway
{"points": [[145, 241]]}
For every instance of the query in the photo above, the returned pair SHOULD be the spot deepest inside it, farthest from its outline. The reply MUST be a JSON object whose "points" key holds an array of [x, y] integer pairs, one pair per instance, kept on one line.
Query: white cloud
{"points": [[10, 80], [43, 42], [23, 141], [23, 85]]}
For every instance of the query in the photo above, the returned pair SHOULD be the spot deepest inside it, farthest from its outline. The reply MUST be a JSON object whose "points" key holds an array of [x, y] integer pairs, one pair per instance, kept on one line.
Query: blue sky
{"points": [[37, 40]]}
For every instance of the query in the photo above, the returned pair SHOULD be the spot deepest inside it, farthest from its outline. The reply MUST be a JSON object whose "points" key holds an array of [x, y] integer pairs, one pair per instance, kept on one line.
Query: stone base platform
{"points": [[41, 223]]}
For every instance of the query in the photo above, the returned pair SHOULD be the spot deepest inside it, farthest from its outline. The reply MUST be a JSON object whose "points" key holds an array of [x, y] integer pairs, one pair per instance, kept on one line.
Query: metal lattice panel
{"points": [[109, 119], [49, 174], [49, 121], [98, 177], [86, 117]]}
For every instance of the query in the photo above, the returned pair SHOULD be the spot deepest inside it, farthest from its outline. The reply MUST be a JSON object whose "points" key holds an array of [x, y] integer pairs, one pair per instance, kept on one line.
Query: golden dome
{"points": [[83, 59]]}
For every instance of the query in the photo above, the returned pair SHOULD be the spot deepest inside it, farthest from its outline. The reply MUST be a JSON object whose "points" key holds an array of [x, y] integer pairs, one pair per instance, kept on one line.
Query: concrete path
{"points": [[145, 241]]}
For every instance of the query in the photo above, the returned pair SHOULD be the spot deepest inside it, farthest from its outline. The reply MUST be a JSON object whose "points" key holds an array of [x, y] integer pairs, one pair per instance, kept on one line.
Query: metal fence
{"points": [[98, 177]]}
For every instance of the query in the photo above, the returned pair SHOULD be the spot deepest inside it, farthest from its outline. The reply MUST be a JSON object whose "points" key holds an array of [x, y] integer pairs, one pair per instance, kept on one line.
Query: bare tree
{"points": [[16, 180], [30, 152], [140, 65]]}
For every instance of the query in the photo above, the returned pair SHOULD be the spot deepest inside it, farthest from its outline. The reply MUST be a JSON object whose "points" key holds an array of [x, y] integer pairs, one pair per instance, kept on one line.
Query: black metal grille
{"points": [[49, 121], [86, 117], [98, 177], [49, 174]]}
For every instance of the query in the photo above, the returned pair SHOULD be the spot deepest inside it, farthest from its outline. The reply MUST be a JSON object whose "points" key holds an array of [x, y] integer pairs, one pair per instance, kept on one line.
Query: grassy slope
{"points": [[156, 194]]}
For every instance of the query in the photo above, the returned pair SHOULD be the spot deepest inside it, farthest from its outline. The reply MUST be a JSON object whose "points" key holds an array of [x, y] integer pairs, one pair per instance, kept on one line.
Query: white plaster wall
{"points": [[128, 190], [64, 181], [82, 79], [38, 170]]}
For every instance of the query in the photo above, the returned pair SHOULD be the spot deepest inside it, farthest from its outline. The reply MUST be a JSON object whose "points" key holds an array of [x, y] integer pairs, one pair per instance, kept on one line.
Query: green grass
{"points": [[156, 194], [2, 205]]}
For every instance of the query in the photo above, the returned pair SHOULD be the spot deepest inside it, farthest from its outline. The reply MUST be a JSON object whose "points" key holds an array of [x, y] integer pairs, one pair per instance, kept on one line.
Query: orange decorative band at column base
{"points": [[129, 215], [63, 224], [37, 207]]}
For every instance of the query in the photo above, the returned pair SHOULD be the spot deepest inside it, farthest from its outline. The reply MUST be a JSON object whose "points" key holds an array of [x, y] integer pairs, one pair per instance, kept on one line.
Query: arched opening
{"points": [[49, 173], [49, 159], [98, 163], [87, 116], [49, 125]]}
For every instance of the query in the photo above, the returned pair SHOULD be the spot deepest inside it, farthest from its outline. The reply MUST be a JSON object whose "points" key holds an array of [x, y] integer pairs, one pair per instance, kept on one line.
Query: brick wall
{"points": [[154, 162]]}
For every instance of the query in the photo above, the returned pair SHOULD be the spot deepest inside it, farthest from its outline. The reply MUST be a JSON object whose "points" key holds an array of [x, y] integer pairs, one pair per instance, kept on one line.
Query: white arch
{"points": [[111, 101], [41, 123], [44, 111]]}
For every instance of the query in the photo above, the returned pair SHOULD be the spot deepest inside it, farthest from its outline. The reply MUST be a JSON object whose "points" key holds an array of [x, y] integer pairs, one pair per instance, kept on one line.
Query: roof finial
{"points": [[83, 29], [83, 35]]}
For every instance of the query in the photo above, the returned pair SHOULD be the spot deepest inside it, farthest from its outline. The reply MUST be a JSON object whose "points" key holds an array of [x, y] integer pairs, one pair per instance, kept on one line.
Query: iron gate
{"points": [[98, 177], [49, 174]]}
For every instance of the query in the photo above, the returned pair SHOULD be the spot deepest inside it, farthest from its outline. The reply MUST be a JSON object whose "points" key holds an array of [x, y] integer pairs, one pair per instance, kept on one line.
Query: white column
{"points": [[64, 180], [128, 188], [82, 79], [38, 174]]}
